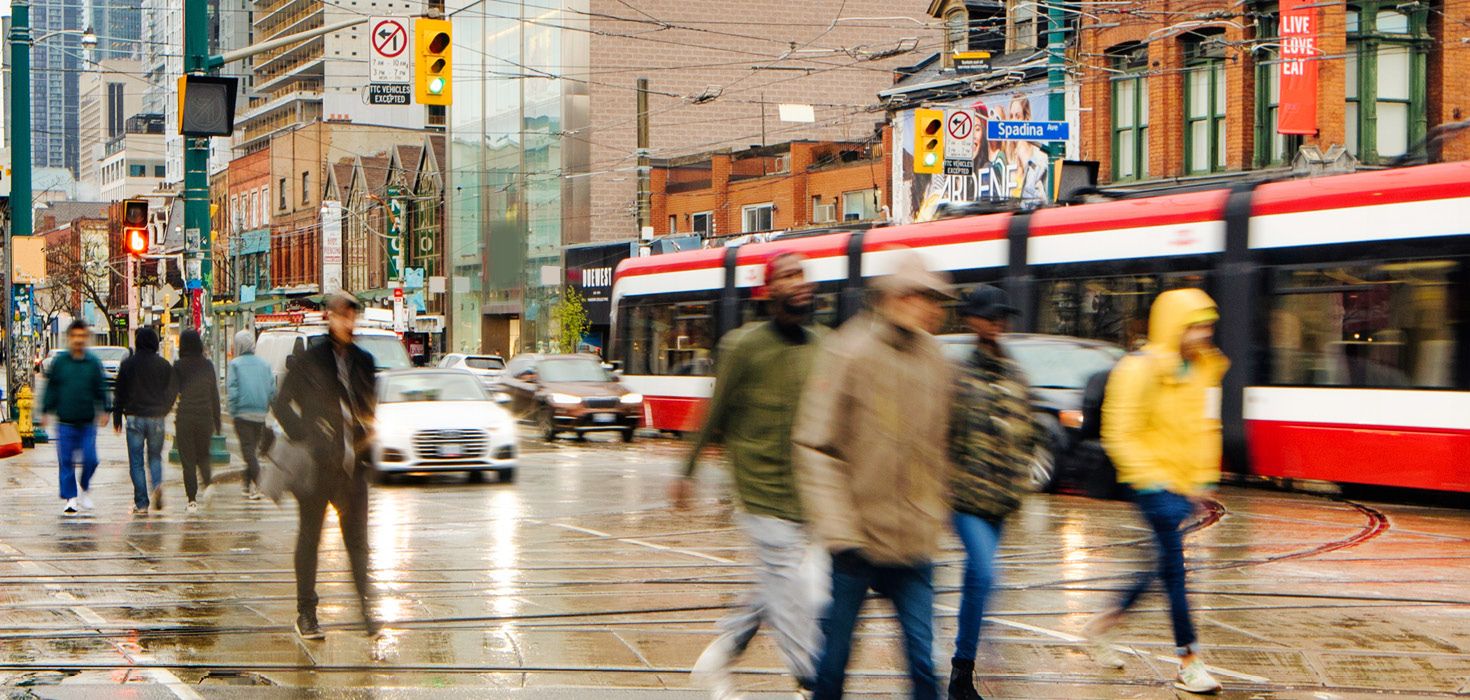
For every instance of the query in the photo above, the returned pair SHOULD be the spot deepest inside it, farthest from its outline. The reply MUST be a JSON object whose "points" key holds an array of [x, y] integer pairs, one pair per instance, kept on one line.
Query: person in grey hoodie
{"points": [[251, 388]]}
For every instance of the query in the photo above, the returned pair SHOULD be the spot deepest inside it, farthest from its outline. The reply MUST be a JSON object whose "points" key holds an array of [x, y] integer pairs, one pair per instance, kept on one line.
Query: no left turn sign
{"points": [[960, 124], [390, 38], [388, 50]]}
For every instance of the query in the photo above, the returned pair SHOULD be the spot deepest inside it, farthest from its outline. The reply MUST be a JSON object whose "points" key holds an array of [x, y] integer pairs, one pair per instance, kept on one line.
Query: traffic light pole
{"points": [[20, 172], [1056, 75]]}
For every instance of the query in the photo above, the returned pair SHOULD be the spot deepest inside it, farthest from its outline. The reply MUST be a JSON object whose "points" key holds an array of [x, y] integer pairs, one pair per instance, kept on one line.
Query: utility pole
{"points": [[1056, 74], [198, 257], [645, 167], [20, 168]]}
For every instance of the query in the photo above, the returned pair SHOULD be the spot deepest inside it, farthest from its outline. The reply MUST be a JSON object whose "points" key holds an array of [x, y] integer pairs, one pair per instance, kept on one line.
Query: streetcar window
{"points": [[1114, 309], [671, 339], [824, 310], [1387, 324]]}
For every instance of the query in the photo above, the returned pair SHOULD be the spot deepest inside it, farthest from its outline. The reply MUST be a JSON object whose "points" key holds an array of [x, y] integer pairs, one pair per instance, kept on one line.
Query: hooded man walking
{"points": [[251, 387], [1161, 427], [145, 393], [873, 470], [76, 393], [758, 381], [198, 417]]}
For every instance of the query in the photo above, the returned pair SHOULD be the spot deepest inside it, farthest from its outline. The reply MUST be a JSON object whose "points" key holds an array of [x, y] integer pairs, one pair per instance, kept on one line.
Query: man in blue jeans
{"points": [[76, 393], [145, 394]]}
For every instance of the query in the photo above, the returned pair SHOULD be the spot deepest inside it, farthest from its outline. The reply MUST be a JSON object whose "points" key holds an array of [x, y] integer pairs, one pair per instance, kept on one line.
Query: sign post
{"points": [[388, 69]]}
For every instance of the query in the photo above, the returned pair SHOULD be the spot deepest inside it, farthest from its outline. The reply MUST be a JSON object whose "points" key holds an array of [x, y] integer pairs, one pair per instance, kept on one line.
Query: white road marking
{"points": [[643, 543]]}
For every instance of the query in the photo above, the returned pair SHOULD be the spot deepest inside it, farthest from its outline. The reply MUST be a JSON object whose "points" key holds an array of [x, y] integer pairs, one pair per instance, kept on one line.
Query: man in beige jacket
{"points": [[872, 467]]}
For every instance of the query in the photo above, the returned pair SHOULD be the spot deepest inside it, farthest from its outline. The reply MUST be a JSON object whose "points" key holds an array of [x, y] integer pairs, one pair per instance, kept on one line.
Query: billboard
{"points": [[589, 269], [996, 170]]}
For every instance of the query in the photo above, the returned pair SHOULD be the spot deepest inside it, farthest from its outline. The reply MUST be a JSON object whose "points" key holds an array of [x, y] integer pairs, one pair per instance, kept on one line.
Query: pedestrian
{"points": [[251, 386], [76, 393], [198, 419], [145, 393], [872, 469], [993, 437], [327, 402], [759, 375], [1161, 427]]}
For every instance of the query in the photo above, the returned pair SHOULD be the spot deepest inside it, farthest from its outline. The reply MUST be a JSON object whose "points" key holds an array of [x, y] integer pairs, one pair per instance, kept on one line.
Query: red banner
{"points": [[1298, 68]]}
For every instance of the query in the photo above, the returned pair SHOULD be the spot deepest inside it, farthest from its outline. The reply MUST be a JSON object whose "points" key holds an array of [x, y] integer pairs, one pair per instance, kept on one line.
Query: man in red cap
{"points": [[759, 374]]}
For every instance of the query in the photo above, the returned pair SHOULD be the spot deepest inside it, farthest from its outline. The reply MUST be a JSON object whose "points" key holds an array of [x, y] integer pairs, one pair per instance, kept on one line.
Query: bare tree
{"points": [[76, 271]]}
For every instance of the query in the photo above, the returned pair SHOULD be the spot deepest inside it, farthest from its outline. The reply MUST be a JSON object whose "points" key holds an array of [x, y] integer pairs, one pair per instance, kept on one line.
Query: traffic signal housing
{"points": [[135, 227], [433, 63], [929, 141]]}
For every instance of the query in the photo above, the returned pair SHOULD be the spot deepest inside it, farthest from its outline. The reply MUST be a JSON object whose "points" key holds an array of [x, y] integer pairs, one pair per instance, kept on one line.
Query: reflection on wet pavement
{"points": [[578, 581]]}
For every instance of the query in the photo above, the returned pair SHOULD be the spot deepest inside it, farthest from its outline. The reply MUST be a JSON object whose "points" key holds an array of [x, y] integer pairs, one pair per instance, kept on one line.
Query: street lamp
{"points": [[89, 37]]}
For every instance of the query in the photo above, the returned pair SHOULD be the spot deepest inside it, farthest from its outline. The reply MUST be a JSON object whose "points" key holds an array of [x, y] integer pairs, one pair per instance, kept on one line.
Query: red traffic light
{"points": [[135, 239]]}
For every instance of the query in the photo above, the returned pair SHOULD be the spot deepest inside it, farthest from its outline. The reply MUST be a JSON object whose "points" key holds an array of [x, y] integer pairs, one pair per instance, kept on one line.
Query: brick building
{"points": [[790, 186], [1190, 89]]}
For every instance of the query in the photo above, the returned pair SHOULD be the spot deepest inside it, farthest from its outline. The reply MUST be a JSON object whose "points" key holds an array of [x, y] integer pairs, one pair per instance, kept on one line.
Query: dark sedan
{"points": [[570, 393], [1057, 367]]}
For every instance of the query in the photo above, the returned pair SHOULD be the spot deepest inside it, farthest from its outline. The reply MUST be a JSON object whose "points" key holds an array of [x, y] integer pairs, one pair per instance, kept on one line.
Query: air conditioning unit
{"points": [[824, 213]]}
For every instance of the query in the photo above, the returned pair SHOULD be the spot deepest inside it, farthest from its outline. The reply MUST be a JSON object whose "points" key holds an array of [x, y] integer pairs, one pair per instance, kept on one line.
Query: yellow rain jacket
{"points": [[1161, 415]]}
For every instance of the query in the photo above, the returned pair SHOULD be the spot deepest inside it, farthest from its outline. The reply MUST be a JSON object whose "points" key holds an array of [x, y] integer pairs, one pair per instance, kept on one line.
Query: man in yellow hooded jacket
{"points": [[1161, 428]]}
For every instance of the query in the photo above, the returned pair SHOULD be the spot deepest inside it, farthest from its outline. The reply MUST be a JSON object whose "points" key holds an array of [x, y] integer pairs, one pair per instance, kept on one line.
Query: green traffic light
{"points": [[931, 158], [436, 85]]}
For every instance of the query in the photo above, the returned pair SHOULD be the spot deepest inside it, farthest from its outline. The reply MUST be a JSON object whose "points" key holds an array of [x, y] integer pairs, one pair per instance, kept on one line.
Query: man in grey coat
{"points": [[252, 387]]}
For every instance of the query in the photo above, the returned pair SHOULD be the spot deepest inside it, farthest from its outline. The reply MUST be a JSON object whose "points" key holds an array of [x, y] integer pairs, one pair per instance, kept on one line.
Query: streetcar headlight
{"points": [[565, 399], [630, 399]]}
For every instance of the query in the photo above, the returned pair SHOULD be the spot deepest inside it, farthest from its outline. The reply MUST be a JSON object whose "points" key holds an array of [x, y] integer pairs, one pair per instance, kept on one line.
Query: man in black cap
{"points": [[993, 437], [327, 402]]}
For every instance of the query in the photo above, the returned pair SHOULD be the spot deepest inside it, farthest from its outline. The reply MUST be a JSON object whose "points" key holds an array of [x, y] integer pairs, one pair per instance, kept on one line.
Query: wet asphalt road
{"points": [[577, 582]]}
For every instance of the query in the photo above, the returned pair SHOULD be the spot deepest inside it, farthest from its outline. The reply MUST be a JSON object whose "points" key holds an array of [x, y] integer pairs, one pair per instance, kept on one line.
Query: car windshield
{"points": [[110, 354], [484, 363], [1048, 364], [573, 370], [431, 386], [387, 351]]}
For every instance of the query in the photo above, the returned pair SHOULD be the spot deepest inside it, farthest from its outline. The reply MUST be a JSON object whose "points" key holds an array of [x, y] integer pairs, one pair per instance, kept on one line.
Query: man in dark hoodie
{"points": [[198, 418], [145, 393]]}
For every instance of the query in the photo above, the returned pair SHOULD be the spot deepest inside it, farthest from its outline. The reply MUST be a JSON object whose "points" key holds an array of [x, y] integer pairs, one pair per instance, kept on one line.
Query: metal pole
{"points": [[1056, 74], [20, 168], [645, 197], [196, 174]]}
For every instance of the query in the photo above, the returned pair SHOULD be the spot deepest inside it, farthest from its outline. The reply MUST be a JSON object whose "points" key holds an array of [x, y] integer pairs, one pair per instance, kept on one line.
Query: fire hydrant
{"points": [[24, 401]]}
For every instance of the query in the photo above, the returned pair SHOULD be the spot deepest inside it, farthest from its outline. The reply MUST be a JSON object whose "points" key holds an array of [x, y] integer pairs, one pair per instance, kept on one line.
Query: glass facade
{"points": [[512, 143]]}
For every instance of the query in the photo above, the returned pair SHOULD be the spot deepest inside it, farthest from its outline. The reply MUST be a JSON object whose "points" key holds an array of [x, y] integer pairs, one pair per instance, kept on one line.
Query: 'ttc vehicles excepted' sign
{"points": [[1027, 131]]}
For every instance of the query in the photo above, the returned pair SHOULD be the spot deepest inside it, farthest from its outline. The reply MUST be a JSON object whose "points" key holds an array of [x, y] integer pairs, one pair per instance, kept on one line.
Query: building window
{"points": [[1204, 103], [282, 190], [956, 34], [305, 187], [1130, 113], [1271, 148], [1385, 80], [756, 217], [158, 171], [673, 224], [861, 205], [137, 170], [252, 212], [823, 213], [1024, 19], [702, 223]]}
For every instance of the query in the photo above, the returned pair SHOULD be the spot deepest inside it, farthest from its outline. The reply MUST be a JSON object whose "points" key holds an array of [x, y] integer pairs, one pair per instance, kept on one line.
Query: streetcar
{"points": [[1341, 301]]}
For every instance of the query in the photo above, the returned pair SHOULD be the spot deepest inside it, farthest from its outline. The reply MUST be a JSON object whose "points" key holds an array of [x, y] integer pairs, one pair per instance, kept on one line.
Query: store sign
{"points": [[589, 270], [1298, 68]]}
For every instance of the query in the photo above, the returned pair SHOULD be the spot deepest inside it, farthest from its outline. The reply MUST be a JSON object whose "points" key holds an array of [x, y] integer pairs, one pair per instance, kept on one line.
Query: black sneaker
{"points": [[373, 627], [307, 628]]}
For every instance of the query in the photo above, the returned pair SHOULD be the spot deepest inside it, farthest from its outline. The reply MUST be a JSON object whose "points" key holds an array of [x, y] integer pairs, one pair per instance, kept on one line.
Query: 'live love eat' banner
{"points": [[1298, 68]]}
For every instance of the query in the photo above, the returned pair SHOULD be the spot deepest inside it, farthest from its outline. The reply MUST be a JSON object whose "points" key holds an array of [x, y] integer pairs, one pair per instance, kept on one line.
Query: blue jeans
{"points": [[72, 438], [911, 590], [982, 538], [145, 439], [1165, 512]]}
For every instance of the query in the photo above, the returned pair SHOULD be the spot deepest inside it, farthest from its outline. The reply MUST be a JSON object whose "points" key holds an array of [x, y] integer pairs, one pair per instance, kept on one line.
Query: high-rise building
{"points": [[110, 94], [119, 28], [56, 67], [163, 63]]}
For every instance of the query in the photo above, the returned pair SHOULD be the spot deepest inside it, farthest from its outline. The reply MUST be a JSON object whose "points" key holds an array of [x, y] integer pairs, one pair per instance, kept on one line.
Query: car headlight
{"points": [[566, 399], [632, 398]]}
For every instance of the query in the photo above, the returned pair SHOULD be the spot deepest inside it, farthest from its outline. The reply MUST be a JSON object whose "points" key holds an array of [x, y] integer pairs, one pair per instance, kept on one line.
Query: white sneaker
{"points": [[1100, 643], [253, 494], [70, 508], [192, 507], [85, 500], [712, 671], [1195, 678]]}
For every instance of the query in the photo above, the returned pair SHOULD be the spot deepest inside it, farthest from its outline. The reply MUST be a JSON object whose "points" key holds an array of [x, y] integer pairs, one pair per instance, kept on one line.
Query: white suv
{"points": [[274, 345]]}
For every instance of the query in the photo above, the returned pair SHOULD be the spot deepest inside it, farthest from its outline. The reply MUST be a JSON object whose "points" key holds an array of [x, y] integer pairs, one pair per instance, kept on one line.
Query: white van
{"points": [[274, 345]]}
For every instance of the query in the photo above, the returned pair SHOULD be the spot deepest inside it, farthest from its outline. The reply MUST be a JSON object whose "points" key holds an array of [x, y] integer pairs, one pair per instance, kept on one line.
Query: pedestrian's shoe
{"points": [[712, 671], [1099, 637], [156, 496], [140, 510], [962, 680], [70, 508], [192, 507], [85, 500], [253, 493], [373, 627], [1195, 678], [307, 628]]}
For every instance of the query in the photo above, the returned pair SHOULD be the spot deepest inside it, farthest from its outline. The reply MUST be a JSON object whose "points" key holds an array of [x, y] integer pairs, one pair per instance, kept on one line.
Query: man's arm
{"points": [[820, 434], [729, 372], [121, 393], [1126, 406], [284, 405], [51, 397], [232, 387], [214, 396]]}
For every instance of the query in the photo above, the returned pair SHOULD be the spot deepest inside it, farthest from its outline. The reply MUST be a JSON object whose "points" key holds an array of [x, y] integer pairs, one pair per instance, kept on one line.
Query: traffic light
{"points": [[433, 61], [929, 141], [135, 227]]}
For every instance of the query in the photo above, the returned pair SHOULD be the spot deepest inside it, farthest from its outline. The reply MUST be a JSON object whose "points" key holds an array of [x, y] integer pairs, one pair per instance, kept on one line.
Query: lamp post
{"points": [[21, 206]]}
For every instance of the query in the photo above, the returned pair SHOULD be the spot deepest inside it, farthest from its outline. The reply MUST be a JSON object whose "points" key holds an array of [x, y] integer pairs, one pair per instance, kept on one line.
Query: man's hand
{"points": [[103, 419], [117, 428], [681, 490]]}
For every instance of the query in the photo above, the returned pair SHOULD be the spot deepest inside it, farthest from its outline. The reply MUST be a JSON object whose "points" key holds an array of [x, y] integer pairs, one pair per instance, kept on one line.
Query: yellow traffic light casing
{"points": [[929, 141], [135, 227], [433, 63]]}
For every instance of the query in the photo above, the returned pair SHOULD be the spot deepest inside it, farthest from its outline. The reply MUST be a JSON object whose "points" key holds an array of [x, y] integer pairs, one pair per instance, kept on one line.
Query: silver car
{"points": [[487, 367]]}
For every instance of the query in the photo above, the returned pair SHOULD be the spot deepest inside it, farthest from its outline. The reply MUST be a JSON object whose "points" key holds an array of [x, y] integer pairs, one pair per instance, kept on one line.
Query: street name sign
{"points": [[1027, 131]]}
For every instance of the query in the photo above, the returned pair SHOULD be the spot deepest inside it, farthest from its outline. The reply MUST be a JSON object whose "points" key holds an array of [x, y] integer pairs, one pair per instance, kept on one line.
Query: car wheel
{"points": [[506, 476], [476, 477], [548, 424], [628, 434], [1043, 468], [381, 477]]}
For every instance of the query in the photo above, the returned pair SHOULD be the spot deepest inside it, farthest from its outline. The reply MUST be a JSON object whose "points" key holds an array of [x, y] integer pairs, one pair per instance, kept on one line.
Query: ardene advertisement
{"points": [[999, 169]]}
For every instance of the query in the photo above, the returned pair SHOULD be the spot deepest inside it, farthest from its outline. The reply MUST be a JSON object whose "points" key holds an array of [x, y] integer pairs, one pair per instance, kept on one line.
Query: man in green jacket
{"points": [[76, 393], [761, 370]]}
